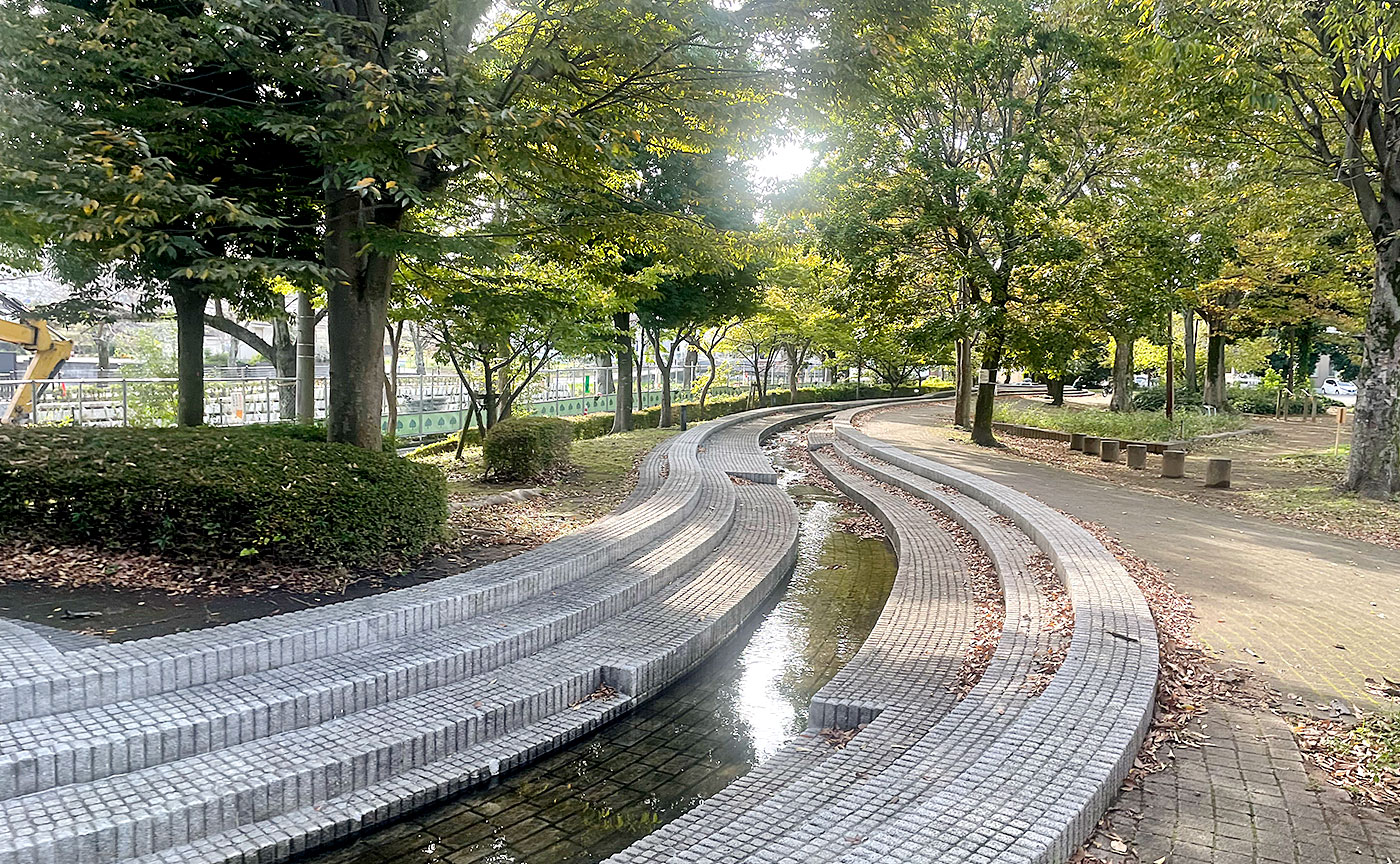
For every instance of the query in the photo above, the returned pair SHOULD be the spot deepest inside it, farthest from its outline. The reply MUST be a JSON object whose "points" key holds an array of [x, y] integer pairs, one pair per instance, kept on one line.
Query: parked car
{"points": [[1338, 387], [1243, 379]]}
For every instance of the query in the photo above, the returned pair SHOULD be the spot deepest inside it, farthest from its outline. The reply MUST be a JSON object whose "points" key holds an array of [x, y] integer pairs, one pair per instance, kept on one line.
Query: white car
{"points": [[1243, 379], [1338, 387]]}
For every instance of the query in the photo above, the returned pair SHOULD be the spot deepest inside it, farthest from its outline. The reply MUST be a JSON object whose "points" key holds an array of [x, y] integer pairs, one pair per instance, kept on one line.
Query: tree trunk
{"points": [[1214, 392], [189, 299], [306, 358], [391, 379], [505, 400], [793, 360], [709, 381], [284, 362], [622, 337], [692, 360], [665, 419], [1122, 373], [103, 339], [358, 304], [1056, 388], [604, 384], [1189, 342], [962, 392], [1306, 362], [1373, 471], [987, 390]]}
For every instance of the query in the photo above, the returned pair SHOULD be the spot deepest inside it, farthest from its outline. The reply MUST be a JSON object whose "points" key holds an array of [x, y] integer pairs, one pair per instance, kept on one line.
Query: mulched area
{"points": [[477, 535], [1360, 755]]}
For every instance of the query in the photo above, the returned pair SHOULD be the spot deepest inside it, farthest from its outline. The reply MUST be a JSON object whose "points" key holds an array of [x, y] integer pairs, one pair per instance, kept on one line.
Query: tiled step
{"points": [[86, 745]]}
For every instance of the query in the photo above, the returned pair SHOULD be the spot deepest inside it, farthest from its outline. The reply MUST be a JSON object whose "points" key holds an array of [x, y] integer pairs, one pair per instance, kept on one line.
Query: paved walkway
{"points": [[1243, 797], [1311, 614]]}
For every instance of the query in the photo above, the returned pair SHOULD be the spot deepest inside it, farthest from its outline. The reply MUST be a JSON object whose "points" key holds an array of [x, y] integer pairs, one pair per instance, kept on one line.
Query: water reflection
{"points": [[597, 796]]}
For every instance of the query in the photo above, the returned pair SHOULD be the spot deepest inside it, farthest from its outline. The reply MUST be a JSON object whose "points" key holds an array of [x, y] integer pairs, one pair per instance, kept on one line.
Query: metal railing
{"points": [[427, 404]]}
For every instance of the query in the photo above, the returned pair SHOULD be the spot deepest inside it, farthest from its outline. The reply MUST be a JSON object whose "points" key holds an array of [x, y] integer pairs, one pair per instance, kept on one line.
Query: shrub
{"points": [[1155, 399], [521, 447], [270, 491], [1264, 400]]}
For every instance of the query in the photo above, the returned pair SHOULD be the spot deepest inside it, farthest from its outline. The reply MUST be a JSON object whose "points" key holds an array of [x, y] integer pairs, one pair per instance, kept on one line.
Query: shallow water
{"points": [[598, 795]]}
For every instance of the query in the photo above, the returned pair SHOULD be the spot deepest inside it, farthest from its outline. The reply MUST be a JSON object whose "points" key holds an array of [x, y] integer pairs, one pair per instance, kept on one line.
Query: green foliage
{"points": [[271, 491], [519, 448], [1155, 398], [1132, 426]]}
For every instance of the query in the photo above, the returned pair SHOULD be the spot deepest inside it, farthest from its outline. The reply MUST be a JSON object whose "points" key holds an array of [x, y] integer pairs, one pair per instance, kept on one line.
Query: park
{"points": [[640, 431]]}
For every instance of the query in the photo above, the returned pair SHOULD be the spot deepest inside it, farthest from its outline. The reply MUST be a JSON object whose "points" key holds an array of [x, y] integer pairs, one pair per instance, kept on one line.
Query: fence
{"points": [[428, 404]]}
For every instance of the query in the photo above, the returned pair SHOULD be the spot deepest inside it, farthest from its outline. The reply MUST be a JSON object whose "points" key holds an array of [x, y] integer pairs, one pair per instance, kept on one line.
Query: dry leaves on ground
{"points": [[1187, 680], [1362, 758]]}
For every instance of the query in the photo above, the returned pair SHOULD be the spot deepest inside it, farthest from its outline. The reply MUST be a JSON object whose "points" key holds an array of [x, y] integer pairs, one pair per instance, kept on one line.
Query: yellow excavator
{"points": [[49, 350]]}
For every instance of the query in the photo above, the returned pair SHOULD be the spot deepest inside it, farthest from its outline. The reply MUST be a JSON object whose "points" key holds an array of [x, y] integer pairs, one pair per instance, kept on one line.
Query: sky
{"points": [[784, 161]]}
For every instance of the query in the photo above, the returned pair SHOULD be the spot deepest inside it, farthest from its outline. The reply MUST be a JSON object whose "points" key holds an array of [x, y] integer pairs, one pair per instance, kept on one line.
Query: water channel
{"points": [[598, 795]]}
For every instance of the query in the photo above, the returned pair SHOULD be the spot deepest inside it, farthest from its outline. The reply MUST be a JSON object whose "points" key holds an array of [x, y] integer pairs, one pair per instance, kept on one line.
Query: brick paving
{"points": [[1243, 796], [1310, 615]]}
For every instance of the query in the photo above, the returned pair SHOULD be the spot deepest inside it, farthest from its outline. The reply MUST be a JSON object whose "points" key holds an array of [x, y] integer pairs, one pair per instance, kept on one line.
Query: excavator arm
{"points": [[49, 353]]}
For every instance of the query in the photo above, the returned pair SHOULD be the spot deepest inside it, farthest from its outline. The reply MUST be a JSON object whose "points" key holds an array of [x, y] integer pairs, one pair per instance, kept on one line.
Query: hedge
{"points": [[276, 491], [597, 425], [518, 448]]}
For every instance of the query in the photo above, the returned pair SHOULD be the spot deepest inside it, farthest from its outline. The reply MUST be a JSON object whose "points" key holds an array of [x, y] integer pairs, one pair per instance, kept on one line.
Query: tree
{"points": [[500, 329], [964, 125], [798, 303], [132, 144], [1312, 86], [403, 105]]}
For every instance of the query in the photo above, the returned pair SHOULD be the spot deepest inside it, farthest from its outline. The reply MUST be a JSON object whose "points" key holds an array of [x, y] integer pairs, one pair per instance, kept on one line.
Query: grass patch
{"points": [[596, 484], [1130, 425]]}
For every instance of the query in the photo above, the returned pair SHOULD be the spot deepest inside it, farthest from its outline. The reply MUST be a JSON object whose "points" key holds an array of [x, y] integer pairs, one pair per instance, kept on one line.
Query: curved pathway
{"points": [[1006, 773], [1313, 614], [1321, 612]]}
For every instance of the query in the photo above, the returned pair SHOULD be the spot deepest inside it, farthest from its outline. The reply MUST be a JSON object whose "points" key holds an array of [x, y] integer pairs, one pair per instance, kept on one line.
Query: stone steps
{"points": [[40, 680], [1002, 775], [916, 648], [301, 748], [86, 745], [308, 828]]}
